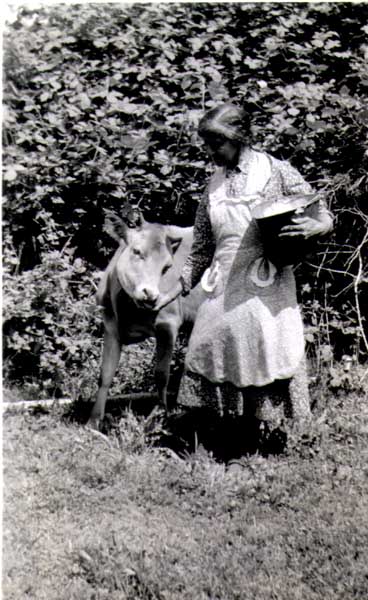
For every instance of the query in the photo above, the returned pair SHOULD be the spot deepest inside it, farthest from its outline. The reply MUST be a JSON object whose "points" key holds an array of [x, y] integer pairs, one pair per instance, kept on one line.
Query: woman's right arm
{"points": [[203, 247], [294, 183], [200, 257]]}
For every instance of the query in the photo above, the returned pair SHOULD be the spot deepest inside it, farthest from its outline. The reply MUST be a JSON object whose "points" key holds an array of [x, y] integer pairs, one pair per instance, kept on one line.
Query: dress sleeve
{"points": [[203, 247], [292, 182]]}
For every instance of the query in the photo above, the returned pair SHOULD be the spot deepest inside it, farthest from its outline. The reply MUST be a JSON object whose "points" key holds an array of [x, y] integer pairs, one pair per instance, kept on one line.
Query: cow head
{"points": [[148, 250]]}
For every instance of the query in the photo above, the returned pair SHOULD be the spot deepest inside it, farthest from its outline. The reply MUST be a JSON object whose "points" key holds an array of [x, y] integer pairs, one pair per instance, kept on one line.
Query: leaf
{"points": [[85, 101], [291, 131], [166, 169], [51, 45], [318, 125], [214, 73], [47, 66], [45, 96], [293, 111], [130, 141], [197, 44], [317, 43], [253, 63], [73, 111], [127, 107], [10, 174], [53, 119], [326, 353], [101, 42], [332, 44], [170, 55]]}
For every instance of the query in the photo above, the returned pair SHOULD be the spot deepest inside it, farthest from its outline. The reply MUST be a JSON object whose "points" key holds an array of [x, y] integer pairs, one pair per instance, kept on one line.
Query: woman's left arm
{"points": [[293, 184]]}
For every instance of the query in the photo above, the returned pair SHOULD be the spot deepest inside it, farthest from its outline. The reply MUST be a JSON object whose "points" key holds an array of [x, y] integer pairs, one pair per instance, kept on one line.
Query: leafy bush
{"points": [[51, 324], [102, 105]]}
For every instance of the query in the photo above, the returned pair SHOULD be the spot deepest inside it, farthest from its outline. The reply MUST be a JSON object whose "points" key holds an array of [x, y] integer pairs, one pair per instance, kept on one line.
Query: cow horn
{"points": [[114, 226], [132, 216], [175, 243]]}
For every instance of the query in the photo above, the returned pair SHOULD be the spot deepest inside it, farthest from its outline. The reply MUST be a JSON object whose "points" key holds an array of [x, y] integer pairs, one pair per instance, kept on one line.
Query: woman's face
{"points": [[223, 152]]}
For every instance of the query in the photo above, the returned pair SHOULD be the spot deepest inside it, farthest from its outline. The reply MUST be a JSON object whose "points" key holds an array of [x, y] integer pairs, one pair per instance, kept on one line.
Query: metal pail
{"points": [[273, 215]]}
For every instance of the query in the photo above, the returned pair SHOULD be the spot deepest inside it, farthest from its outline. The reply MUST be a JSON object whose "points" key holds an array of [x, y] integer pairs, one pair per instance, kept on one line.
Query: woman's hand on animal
{"points": [[304, 227]]}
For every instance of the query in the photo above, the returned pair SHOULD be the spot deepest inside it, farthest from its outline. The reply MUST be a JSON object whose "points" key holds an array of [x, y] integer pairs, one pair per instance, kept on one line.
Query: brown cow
{"points": [[147, 263]]}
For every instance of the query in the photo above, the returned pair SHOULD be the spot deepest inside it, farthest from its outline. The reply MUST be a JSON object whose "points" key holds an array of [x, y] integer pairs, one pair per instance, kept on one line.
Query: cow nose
{"points": [[148, 295]]}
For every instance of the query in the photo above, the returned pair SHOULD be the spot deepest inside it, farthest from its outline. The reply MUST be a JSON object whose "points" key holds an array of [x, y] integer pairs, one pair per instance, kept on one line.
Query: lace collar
{"points": [[245, 158], [247, 180]]}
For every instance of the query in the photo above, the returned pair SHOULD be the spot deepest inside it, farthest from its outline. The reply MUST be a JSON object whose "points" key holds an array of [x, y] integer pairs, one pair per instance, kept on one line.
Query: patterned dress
{"points": [[247, 344]]}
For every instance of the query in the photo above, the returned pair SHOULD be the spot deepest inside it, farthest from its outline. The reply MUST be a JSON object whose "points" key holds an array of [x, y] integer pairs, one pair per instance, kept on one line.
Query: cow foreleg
{"points": [[110, 361], [165, 342]]}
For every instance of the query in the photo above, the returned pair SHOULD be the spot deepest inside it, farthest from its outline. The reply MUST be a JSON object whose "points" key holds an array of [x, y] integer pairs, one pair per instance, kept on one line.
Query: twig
{"points": [[66, 245], [357, 252], [318, 267], [357, 304], [363, 376], [20, 405], [100, 435], [24, 404]]}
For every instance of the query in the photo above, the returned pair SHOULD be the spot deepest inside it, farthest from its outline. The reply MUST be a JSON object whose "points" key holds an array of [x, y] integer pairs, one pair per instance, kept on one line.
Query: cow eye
{"points": [[165, 269], [137, 252]]}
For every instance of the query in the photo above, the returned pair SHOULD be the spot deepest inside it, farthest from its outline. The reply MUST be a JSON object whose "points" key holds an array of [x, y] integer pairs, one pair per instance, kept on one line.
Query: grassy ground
{"points": [[90, 517]]}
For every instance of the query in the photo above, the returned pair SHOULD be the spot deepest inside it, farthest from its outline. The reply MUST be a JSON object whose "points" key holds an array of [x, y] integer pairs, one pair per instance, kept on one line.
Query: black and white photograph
{"points": [[185, 300]]}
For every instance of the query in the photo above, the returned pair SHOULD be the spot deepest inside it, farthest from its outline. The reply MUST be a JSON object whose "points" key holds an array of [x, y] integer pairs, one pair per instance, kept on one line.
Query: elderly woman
{"points": [[246, 350]]}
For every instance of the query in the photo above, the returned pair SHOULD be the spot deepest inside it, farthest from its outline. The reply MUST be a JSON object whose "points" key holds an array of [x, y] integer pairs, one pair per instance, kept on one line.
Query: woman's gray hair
{"points": [[226, 120]]}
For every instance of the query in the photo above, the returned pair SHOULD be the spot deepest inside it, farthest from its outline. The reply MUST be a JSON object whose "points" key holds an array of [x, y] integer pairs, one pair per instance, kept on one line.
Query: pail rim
{"points": [[283, 205]]}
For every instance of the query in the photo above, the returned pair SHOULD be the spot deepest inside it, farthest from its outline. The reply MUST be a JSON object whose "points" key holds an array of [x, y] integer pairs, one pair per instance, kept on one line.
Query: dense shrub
{"points": [[102, 103], [52, 323]]}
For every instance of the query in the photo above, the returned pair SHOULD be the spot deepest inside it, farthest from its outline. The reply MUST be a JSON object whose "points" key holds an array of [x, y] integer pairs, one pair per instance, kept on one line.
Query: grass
{"points": [[89, 517]]}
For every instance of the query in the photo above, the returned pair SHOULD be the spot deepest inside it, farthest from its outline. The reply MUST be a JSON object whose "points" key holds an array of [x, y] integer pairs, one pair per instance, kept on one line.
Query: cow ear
{"points": [[132, 216], [174, 242], [115, 227], [175, 236]]}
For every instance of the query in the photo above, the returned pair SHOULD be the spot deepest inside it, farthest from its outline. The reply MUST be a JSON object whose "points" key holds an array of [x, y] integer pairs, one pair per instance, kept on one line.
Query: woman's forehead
{"points": [[210, 136]]}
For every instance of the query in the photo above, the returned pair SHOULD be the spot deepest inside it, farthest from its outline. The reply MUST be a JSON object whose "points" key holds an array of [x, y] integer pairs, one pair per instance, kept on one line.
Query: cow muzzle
{"points": [[146, 297]]}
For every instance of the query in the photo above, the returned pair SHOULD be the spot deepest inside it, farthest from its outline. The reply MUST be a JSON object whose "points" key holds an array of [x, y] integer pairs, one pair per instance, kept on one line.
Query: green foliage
{"points": [[102, 104], [52, 324]]}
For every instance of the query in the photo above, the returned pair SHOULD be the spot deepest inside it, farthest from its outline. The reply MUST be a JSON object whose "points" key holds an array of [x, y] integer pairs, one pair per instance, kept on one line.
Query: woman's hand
{"points": [[304, 227]]}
